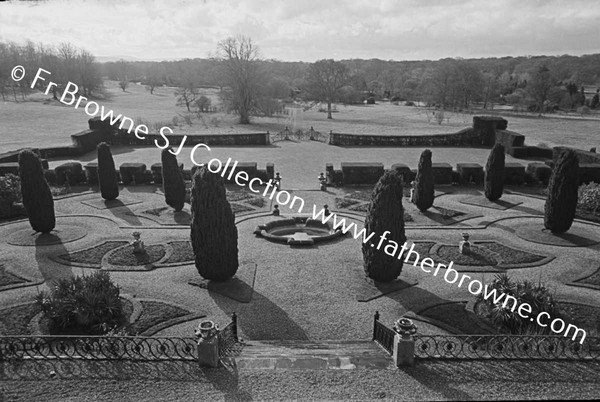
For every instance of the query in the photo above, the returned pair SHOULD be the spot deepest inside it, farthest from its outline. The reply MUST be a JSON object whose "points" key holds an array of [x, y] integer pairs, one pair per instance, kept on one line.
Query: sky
{"points": [[309, 30]]}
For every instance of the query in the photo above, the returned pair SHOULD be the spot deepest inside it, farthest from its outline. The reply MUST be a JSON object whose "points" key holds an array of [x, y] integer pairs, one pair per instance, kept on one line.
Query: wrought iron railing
{"points": [[383, 335], [299, 135], [513, 347], [97, 348], [132, 348], [492, 347], [228, 338]]}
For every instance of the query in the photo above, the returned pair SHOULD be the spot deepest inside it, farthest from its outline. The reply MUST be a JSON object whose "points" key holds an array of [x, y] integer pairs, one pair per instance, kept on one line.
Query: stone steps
{"points": [[310, 355]]}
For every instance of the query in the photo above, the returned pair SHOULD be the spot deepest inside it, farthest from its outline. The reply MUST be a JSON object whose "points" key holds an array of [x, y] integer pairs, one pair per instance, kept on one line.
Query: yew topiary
{"points": [[494, 173], [172, 178], [561, 203], [107, 175], [385, 213], [37, 198], [424, 187], [213, 232]]}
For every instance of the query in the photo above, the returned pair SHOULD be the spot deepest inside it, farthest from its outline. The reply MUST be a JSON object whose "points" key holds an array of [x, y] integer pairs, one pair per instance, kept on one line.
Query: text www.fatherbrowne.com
{"points": [[451, 276]]}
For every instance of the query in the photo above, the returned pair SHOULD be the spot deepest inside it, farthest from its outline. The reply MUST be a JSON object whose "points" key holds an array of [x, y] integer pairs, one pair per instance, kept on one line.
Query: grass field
{"points": [[42, 122]]}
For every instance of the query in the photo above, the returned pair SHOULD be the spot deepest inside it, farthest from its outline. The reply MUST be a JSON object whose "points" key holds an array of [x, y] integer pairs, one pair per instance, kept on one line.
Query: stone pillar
{"points": [[329, 173], [486, 126], [208, 352], [404, 351], [270, 170]]}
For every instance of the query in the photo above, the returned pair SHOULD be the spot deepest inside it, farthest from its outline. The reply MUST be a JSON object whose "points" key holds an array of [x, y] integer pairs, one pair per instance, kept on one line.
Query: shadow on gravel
{"points": [[261, 318], [51, 271]]}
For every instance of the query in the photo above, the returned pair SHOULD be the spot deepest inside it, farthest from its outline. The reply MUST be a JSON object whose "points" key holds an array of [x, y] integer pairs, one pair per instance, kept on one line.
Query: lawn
{"points": [[44, 123]]}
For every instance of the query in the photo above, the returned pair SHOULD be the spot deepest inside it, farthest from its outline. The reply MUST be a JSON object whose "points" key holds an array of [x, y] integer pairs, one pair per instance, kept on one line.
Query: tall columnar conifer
{"points": [[385, 213], [37, 198], [494, 173], [561, 203], [107, 175], [424, 187], [173, 183], [213, 232]]}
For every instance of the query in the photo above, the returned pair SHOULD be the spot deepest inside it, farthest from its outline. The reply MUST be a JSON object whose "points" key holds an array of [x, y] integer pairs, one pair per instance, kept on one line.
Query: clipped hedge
{"points": [[424, 188], [130, 171], [561, 203], [494, 173], [37, 197], [172, 179], [70, 171], [107, 175]]}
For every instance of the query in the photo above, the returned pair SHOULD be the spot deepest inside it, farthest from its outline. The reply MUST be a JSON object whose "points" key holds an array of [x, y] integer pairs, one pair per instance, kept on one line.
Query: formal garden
{"points": [[129, 253]]}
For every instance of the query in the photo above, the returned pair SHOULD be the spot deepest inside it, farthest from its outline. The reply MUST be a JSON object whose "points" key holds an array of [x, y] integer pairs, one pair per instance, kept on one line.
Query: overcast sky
{"points": [[309, 30]]}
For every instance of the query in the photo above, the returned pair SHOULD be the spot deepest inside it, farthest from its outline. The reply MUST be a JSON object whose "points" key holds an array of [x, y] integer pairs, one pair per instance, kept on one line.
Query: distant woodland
{"points": [[530, 83]]}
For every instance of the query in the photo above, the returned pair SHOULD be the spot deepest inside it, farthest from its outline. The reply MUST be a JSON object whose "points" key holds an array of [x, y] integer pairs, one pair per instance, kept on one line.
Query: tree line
{"points": [[65, 61], [252, 85]]}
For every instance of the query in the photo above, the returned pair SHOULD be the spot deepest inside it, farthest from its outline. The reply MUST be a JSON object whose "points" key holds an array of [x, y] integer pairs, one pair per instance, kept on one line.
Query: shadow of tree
{"points": [[182, 217], [261, 318], [121, 211], [51, 271]]}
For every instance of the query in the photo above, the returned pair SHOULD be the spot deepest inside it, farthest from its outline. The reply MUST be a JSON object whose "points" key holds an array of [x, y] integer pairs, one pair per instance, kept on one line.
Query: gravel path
{"points": [[429, 380]]}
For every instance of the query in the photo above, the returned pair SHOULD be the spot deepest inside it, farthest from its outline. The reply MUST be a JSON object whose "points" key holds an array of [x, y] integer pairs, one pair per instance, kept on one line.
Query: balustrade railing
{"points": [[133, 348], [492, 347]]}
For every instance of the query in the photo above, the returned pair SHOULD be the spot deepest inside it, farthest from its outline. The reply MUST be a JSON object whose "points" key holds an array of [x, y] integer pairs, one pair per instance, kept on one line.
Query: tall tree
{"points": [[88, 72], [539, 86], [494, 173], [325, 79], [385, 213], [239, 56], [37, 198], [214, 235], [424, 192], [561, 203], [107, 175], [173, 184]]}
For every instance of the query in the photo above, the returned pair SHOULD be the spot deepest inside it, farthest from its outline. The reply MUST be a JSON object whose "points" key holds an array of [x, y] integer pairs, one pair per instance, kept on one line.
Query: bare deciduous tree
{"points": [[239, 56], [325, 79]]}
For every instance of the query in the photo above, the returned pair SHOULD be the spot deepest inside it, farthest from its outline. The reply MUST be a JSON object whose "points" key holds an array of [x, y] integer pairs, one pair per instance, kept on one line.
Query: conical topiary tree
{"points": [[424, 190], [173, 184], [37, 198], [561, 203], [107, 175], [385, 213], [213, 232], [494, 173]]}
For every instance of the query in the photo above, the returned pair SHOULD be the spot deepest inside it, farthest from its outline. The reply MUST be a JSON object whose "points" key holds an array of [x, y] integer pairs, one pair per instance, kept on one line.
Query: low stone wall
{"points": [[463, 173], [486, 127], [509, 139], [175, 139], [463, 138], [101, 131], [361, 172], [137, 173]]}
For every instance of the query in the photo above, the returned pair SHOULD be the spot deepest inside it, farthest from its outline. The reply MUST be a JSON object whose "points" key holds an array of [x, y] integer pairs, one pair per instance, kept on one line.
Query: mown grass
{"points": [[21, 121]]}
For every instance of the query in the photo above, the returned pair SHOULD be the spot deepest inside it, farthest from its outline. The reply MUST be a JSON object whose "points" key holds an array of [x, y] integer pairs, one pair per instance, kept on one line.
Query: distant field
{"points": [[40, 122]]}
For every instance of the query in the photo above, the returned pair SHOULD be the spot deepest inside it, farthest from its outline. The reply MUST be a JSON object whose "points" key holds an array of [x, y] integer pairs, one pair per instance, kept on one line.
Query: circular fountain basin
{"points": [[297, 231]]}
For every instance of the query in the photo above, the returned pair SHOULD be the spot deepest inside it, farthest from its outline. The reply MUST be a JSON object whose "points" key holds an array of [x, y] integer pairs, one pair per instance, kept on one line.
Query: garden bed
{"points": [[182, 252], [8, 278], [126, 257], [92, 255], [154, 313], [15, 320]]}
